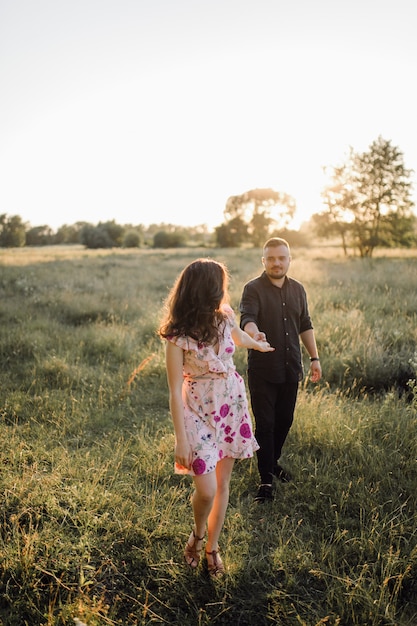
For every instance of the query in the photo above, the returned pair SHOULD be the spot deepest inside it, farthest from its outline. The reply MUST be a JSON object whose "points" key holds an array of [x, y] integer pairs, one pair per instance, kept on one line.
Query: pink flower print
{"points": [[245, 431], [224, 409], [229, 438], [199, 466], [220, 454], [229, 350]]}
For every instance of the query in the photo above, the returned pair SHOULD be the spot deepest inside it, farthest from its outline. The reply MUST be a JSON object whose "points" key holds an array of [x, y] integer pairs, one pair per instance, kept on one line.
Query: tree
{"points": [[12, 231], [296, 238], [173, 239], [39, 236], [259, 227], [385, 188], [369, 200], [95, 237], [254, 210], [401, 231], [104, 235], [115, 232], [232, 233], [341, 202], [69, 234], [131, 239]]}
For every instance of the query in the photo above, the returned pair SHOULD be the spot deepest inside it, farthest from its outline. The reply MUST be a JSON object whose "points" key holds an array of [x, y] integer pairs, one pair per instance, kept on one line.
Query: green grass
{"points": [[93, 520]]}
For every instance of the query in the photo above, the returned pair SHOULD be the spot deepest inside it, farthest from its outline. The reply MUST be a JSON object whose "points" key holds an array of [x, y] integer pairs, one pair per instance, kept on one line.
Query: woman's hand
{"points": [[256, 342], [183, 454], [264, 346]]}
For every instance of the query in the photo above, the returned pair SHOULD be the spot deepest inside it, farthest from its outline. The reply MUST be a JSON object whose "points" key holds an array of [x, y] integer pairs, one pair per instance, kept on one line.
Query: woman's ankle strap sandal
{"points": [[191, 553], [215, 568]]}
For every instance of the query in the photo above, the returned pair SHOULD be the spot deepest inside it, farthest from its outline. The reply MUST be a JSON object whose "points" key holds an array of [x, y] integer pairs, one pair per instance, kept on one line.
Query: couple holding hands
{"points": [[207, 396]]}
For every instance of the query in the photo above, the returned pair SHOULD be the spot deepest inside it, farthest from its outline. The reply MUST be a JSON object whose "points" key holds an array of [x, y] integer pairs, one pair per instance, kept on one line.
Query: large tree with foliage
{"points": [[12, 231], [251, 215], [369, 200], [70, 233], [232, 233], [40, 236], [104, 235]]}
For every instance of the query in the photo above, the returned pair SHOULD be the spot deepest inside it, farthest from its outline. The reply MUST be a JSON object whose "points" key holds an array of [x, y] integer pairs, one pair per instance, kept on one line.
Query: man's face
{"points": [[276, 261]]}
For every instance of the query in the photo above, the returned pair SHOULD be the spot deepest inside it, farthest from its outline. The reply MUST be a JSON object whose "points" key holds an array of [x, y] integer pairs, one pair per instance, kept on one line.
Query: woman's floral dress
{"points": [[216, 412]]}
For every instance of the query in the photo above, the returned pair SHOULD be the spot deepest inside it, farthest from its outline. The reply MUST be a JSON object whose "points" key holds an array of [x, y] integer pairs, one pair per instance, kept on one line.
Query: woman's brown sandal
{"points": [[215, 568], [191, 554]]}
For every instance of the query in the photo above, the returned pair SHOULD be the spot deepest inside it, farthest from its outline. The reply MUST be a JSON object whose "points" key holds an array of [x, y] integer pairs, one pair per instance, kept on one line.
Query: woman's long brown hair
{"points": [[193, 305]]}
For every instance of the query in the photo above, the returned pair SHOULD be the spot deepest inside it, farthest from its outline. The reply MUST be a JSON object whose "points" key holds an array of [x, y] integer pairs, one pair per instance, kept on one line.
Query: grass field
{"points": [[93, 520]]}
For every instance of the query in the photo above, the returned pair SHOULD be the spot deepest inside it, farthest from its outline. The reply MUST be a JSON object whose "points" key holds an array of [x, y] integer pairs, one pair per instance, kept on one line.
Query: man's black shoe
{"points": [[282, 474], [264, 494]]}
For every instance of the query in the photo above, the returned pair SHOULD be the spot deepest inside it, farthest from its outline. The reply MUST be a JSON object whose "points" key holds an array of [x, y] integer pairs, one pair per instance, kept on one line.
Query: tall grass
{"points": [[93, 520]]}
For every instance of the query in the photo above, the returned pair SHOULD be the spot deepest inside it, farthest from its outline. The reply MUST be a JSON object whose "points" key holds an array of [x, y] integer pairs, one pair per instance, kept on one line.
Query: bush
{"points": [[131, 239], [163, 239]]}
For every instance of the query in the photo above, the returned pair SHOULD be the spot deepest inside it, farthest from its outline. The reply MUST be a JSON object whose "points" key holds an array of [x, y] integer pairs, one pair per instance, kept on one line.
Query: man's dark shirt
{"points": [[282, 314]]}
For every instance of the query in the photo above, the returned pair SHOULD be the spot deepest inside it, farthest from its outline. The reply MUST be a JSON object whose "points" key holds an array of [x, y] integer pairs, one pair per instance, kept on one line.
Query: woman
{"points": [[207, 398]]}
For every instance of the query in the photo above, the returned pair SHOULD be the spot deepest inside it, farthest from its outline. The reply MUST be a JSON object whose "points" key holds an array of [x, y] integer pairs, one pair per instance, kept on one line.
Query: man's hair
{"points": [[274, 242]]}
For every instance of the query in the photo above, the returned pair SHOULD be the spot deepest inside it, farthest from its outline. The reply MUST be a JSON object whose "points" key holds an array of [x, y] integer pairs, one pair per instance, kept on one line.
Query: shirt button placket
{"points": [[287, 349]]}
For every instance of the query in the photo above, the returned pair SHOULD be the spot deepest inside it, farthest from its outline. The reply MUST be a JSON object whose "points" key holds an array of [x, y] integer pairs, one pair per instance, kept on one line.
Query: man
{"points": [[275, 306]]}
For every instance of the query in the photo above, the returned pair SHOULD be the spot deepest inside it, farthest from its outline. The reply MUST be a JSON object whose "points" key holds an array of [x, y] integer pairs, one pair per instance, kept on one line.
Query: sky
{"points": [[156, 111]]}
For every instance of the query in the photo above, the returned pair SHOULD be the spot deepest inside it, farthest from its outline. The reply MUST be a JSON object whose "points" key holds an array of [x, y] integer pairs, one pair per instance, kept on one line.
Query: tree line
{"points": [[15, 233], [368, 204]]}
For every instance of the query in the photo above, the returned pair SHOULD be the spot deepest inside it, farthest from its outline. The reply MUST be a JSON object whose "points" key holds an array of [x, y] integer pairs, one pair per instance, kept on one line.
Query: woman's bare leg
{"points": [[202, 502], [209, 502], [218, 510]]}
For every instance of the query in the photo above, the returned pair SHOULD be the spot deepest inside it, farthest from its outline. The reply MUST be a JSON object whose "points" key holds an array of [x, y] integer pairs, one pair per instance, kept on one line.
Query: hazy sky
{"points": [[157, 111]]}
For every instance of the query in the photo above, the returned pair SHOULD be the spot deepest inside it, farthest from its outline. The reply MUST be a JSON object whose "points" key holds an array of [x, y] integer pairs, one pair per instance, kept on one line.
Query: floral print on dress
{"points": [[216, 411]]}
